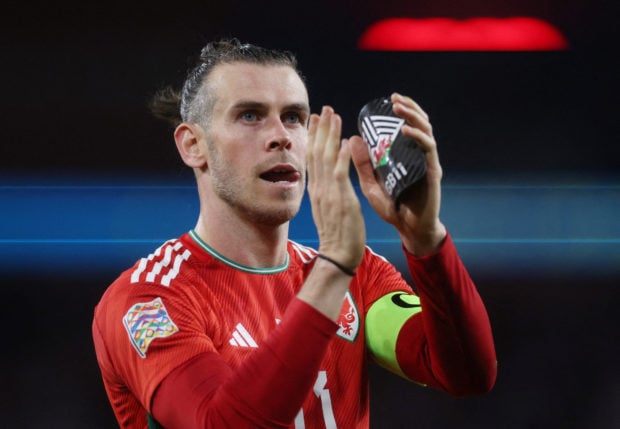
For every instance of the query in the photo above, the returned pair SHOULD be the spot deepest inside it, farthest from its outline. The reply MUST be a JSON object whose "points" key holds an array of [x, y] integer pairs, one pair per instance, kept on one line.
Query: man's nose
{"points": [[278, 137]]}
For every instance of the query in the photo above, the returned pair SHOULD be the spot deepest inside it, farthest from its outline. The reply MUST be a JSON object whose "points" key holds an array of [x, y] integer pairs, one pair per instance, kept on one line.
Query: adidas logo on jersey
{"points": [[242, 338]]}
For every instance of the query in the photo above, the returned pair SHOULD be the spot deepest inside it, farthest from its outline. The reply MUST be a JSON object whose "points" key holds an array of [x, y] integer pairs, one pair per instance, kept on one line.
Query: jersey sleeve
{"points": [[267, 390], [143, 331], [449, 344]]}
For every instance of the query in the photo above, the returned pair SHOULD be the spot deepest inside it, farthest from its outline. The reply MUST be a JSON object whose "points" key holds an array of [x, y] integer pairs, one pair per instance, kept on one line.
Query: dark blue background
{"points": [[90, 182]]}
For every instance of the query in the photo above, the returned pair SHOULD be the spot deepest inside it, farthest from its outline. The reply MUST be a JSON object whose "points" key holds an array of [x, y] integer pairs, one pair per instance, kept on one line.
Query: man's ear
{"points": [[188, 137]]}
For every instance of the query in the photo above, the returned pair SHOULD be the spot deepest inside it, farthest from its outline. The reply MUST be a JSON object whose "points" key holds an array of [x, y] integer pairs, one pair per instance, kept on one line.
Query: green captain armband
{"points": [[384, 321]]}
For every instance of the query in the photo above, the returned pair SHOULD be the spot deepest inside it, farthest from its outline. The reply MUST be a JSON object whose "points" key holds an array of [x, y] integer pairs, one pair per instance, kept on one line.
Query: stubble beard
{"points": [[229, 187]]}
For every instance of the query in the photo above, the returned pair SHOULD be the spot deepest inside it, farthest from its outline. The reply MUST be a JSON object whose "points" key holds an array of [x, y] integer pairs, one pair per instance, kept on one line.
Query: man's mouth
{"points": [[281, 173]]}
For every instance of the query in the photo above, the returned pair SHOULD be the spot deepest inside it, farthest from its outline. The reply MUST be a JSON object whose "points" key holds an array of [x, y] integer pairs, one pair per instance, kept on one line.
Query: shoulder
{"points": [[377, 276], [159, 292], [301, 251], [304, 255], [163, 265], [374, 262], [301, 256], [155, 273]]}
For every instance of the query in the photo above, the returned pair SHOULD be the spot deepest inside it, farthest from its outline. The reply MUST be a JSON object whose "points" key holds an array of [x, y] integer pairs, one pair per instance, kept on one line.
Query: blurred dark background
{"points": [[529, 142]]}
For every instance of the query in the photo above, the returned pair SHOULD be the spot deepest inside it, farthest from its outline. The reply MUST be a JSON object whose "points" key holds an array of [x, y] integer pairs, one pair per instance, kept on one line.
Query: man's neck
{"points": [[243, 241]]}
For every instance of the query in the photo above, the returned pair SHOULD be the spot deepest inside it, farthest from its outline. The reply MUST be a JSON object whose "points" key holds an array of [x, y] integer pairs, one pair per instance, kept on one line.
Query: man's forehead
{"points": [[233, 82]]}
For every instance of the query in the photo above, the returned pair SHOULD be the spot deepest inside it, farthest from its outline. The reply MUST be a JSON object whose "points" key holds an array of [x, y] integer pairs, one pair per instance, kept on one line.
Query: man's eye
{"points": [[292, 118], [249, 116]]}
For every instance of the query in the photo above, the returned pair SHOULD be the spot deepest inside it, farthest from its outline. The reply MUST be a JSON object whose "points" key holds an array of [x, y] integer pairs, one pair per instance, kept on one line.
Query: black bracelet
{"points": [[347, 271]]}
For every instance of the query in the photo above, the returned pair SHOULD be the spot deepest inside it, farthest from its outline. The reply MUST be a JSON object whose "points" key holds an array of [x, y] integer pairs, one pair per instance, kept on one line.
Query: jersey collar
{"points": [[270, 270]]}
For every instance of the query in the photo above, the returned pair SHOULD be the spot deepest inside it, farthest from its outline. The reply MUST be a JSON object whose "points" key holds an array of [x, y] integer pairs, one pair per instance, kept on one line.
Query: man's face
{"points": [[257, 139]]}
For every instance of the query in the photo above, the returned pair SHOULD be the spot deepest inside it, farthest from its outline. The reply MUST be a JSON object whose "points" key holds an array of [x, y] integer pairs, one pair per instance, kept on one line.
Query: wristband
{"points": [[347, 271]]}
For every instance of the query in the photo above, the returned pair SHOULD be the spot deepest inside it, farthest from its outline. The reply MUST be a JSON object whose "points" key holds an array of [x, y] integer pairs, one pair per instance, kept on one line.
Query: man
{"points": [[234, 325]]}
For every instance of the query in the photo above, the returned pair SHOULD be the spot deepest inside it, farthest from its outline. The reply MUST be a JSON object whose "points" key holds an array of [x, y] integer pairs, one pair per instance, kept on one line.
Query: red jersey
{"points": [[185, 300]]}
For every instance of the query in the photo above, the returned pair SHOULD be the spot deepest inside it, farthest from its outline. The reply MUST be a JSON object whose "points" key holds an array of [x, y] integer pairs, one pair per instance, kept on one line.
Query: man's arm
{"points": [[267, 390], [441, 337], [449, 343]]}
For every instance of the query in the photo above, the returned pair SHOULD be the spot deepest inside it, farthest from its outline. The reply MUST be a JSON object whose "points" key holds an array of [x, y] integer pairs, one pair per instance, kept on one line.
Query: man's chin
{"points": [[274, 218]]}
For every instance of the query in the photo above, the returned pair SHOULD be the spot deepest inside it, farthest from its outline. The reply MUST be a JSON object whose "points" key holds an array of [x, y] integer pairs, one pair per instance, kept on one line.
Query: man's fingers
{"points": [[344, 161], [408, 102], [332, 142], [335, 206], [361, 160], [414, 118], [312, 130], [426, 142]]}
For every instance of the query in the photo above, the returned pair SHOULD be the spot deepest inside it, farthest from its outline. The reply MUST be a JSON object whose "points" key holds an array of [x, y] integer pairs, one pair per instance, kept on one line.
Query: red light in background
{"points": [[475, 34]]}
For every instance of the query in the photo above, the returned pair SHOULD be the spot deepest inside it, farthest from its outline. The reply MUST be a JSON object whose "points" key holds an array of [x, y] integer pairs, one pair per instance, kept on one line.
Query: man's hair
{"points": [[188, 104]]}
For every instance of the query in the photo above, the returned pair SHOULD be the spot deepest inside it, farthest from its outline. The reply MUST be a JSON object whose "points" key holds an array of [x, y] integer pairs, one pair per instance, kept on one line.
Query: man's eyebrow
{"points": [[241, 105], [300, 107], [256, 105]]}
